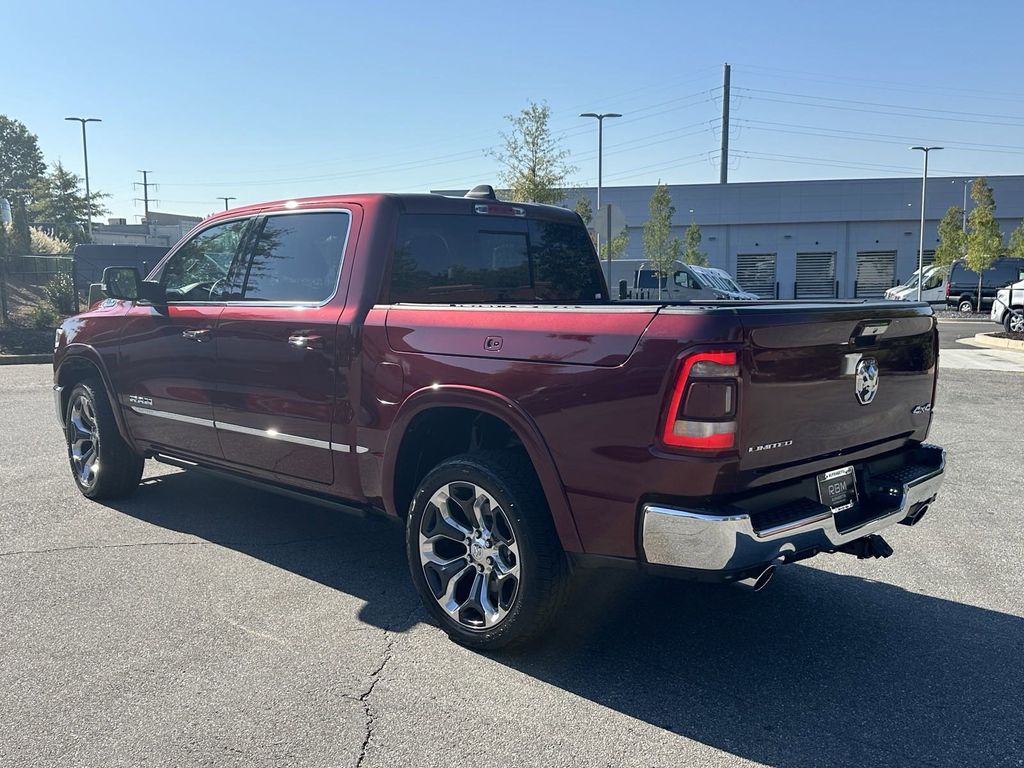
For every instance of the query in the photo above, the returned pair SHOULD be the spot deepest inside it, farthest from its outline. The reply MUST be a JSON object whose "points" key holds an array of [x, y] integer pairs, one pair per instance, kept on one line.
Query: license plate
{"points": [[838, 489]]}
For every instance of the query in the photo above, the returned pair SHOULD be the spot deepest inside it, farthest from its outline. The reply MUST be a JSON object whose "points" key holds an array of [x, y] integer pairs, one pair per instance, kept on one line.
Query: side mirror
{"points": [[122, 283]]}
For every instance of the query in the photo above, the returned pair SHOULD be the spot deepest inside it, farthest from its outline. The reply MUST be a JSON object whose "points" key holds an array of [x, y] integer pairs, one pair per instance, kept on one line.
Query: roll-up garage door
{"points": [[755, 272], [815, 276], [876, 273]]}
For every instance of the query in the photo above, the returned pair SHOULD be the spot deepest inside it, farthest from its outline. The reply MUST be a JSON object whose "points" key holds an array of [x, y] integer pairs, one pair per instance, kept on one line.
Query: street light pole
{"points": [[920, 248], [966, 182], [600, 161], [225, 199], [85, 157]]}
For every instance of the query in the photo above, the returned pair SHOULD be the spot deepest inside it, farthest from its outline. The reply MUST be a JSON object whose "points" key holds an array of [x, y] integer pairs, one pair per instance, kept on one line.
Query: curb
{"points": [[25, 359], [956, 320], [987, 340]]}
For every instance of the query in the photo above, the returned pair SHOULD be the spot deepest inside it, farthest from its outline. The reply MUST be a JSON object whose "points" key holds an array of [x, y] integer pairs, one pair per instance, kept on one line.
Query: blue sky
{"points": [[268, 100]]}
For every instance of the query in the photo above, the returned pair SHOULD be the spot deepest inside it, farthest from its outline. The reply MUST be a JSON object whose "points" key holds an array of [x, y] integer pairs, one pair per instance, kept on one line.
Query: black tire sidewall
{"points": [[121, 467], [88, 390], [534, 538]]}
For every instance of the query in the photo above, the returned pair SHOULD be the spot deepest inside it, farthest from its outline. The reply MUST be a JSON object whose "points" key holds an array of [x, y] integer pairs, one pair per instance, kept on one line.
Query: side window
{"points": [[442, 258], [199, 268], [685, 280], [297, 257]]}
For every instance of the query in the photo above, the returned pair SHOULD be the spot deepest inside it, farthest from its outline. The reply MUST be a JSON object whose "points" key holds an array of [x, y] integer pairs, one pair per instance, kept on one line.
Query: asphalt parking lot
{"points": [[205, 623]]}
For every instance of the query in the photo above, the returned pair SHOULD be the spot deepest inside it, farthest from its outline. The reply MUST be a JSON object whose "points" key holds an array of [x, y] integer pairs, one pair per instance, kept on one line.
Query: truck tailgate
{"points": [[825, 379]]}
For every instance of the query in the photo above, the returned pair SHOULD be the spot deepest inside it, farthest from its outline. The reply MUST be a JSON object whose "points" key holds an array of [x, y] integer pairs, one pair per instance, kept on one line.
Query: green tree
{"points": [[692, 254], [952, 238], [536, 166], [585, 210], [661, 247], [58, 200], [984, 239], [1016, 246], [21, 239], [21, 162]]}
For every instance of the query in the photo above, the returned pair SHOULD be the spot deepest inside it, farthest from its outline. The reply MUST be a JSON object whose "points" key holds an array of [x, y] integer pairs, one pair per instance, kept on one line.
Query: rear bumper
{"points": [[731, 541]]}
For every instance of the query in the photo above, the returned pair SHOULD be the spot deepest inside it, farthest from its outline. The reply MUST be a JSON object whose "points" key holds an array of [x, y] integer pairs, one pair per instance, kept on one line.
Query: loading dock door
{"points": [[755, 272], [876, 273], [815, 276]]}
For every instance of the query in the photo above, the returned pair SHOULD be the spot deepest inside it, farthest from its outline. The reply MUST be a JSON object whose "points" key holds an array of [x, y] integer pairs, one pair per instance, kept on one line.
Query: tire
{"points": [[1013, 321], [965, 305], [103, 465], [510, 549]]}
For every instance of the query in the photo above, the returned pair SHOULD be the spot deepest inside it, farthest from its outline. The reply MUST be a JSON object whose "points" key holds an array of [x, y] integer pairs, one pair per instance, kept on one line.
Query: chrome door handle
{"points": [[200, 334], [306, 341]]}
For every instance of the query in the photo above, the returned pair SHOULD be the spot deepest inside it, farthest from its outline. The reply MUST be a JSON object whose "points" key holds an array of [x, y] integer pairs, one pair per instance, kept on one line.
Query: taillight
{"points": [[948, 287], [702, 411]]}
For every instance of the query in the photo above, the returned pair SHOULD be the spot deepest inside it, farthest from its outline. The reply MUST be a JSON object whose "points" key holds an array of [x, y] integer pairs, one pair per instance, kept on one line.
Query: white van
{"points": [[933, 291], [635, 279]]}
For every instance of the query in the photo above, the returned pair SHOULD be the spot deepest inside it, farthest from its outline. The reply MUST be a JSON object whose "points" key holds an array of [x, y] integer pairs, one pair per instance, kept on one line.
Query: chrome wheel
{"points": [[84, 441], [469, 555], [1015, 323], [966, 307]]}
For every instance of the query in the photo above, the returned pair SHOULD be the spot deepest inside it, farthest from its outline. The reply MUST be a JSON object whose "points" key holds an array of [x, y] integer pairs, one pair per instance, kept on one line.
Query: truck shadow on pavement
{"points": [[819, 669]]}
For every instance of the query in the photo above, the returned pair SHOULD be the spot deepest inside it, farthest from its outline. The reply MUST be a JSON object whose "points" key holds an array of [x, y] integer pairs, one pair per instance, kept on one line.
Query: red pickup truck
{"points": [[457, 363]]}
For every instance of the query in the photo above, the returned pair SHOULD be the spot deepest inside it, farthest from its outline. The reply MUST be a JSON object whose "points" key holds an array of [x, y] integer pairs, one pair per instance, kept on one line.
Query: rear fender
{"points": [[501, 407]]}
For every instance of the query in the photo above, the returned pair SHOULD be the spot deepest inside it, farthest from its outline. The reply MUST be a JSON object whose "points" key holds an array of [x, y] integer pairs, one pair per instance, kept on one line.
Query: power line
{"points": [[444, 159], [874, 138], [907, 111], [890, 85]]}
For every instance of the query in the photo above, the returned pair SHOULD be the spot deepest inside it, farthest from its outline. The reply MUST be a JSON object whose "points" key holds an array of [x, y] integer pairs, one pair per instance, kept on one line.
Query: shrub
{"points": [[48, 245], [43, 316], [60, 292]]}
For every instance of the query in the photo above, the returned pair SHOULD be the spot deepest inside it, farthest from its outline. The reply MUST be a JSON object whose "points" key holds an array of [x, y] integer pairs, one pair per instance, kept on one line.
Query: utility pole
{"points": [[145, 184], [85, 157], [723, 169], [225, 199]]}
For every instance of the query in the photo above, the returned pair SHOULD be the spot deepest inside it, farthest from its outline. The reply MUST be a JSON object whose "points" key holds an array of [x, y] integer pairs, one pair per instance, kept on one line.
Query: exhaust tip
{"points": [[915, 517], [760, 581]]}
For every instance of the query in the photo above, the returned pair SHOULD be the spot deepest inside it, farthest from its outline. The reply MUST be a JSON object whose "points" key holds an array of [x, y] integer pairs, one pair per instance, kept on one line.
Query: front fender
{"points": [[73, 363], [501, 407]]}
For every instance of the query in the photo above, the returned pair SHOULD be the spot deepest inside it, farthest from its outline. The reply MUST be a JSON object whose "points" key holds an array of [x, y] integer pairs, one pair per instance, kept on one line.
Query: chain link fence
{"points": [[38, 290]]}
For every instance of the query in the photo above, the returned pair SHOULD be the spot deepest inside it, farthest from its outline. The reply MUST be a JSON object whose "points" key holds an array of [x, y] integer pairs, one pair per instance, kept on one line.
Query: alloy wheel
{"points": [[1016, 323], [84, 441], [966, 307], [469, 555]]}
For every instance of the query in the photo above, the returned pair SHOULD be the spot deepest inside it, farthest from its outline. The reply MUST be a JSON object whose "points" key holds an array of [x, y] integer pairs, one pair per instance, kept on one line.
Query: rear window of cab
{"points": [[450, 258]]}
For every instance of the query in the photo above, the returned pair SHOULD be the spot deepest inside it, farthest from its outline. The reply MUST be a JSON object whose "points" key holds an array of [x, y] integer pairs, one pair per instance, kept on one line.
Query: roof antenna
{"points": [[482, 192]]}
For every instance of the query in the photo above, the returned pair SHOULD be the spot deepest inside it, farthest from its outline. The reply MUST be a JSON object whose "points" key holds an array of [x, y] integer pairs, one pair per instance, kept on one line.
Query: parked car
{"points": [[1008, 307], [933, 291], [962, 285], [456, 363]]}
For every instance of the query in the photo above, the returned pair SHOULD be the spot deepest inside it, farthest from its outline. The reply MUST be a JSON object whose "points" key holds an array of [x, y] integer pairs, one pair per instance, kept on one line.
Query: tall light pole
{"points": [[600, 160], [85, 154], [964, 224], [924, 187]]}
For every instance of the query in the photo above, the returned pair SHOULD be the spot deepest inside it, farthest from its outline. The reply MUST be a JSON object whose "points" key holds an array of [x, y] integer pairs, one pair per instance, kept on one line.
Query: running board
{"points": [[266, 485]]}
